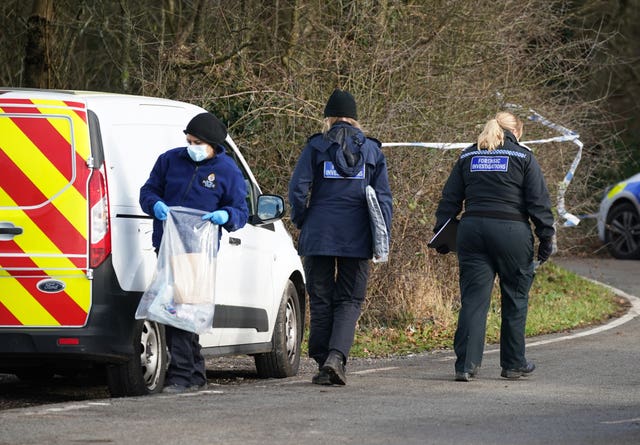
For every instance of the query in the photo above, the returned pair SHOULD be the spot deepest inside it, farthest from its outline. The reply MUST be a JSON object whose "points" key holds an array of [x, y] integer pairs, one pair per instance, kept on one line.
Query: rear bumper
{"points": [[106, 338]]}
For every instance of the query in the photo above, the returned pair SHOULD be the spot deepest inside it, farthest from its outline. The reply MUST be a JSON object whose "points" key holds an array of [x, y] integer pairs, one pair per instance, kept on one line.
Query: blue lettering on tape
{"points": [[490, 163], [330, 172]]}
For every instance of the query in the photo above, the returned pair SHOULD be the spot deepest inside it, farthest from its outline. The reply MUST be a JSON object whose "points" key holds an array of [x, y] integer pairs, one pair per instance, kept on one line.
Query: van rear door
{"points": [[45, 169]]}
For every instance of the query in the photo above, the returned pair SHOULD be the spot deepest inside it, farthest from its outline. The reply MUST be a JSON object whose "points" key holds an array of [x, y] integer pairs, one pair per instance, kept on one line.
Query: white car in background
{"points": [[619, 219]]}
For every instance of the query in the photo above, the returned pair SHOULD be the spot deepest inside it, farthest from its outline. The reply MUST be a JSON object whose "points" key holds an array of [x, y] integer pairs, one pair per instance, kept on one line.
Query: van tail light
{"points": [[100, 236]]}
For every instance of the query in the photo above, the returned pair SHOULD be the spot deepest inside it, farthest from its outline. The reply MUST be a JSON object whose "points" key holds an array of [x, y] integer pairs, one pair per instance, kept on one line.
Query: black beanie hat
{"points": [[207, 128], [341, 104]]}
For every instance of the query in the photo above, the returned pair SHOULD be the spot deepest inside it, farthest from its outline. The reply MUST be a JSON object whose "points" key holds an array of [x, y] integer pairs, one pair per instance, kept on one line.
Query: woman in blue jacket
{"points": [[328, 204], [199, 176]]}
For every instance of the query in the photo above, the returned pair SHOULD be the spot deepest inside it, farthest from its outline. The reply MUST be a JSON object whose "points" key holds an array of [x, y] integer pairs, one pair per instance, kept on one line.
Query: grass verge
{"points": [[559, 301]]}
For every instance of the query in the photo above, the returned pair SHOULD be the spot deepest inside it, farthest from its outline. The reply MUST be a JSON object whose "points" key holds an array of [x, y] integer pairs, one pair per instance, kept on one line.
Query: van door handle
{"points": [[234, 241], [8, 231]]}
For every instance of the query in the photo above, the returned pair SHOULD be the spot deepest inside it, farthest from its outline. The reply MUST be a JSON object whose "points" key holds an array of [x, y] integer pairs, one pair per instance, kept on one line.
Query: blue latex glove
{"points": [[160, 210], [218, 217]]}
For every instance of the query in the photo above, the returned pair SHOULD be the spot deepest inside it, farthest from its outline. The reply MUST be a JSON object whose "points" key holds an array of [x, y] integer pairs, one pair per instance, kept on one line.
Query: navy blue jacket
{"points": [[327, 193], [212, 184], [505, 183]]}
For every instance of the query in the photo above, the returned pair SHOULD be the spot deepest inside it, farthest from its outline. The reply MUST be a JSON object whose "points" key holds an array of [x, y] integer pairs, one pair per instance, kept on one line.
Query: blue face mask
{"points": [[197, 152]]}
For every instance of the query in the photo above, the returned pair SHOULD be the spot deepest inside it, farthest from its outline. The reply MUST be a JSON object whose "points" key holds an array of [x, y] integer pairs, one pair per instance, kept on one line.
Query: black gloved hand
{"points": [[443, 250], [545, 248]]}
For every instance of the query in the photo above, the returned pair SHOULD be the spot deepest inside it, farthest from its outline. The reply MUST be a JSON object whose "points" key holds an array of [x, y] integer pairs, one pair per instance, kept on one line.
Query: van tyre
{"points": [[284, 358], [145, 372]]}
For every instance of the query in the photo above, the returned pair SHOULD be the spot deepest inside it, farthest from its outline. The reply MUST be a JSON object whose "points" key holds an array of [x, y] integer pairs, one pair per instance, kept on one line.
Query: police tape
{"points": [[567, 135]]}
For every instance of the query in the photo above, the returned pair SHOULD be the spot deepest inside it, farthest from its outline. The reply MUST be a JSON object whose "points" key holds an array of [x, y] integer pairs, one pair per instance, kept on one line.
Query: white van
{"points": [[76, 253]]}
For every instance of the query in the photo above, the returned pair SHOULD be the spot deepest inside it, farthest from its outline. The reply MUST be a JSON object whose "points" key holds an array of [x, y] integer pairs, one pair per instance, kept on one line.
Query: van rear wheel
{"points": [[284, 358], [144, 373]]}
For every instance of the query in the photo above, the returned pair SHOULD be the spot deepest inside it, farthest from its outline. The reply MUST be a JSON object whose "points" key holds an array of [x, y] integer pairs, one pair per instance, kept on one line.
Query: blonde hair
{"points": [[492, 135], [328, 122]]}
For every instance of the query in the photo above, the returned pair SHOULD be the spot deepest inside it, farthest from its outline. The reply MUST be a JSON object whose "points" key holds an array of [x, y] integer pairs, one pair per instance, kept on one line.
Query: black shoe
{"points": [[321, 378], [175, 389], [334, 367], [516, 373], [197, 387], [466, 376]]}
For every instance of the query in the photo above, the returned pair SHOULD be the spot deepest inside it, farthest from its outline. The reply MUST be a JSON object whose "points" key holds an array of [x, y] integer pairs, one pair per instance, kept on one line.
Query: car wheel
{"points": [[144, 373], [284, 358], [622, 232]]}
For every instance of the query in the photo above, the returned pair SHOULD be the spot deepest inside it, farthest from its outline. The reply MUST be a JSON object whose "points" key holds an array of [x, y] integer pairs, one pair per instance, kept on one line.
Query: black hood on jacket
{"points": [[347, 158]]}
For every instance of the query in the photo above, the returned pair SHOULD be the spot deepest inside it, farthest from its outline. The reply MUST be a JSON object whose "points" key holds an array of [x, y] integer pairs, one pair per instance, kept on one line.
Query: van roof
{"points": [[49, 93], [105, 101], [41, 92]]}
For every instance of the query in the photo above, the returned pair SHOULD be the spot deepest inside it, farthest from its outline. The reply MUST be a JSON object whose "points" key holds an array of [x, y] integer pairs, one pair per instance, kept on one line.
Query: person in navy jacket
{"points": [[499, 183], [199, 176], [328, 205]]}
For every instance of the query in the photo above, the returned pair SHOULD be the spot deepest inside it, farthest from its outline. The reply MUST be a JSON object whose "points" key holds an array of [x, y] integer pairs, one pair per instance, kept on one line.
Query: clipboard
{"points": [[446, 236]]}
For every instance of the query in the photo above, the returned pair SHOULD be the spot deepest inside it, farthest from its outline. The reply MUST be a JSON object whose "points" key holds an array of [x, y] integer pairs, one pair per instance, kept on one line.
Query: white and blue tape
{"points": [[567, 135]]}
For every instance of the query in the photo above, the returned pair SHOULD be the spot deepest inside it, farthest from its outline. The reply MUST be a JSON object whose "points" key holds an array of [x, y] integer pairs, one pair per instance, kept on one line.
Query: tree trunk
{"points": [[294, 34], [37, 55]]}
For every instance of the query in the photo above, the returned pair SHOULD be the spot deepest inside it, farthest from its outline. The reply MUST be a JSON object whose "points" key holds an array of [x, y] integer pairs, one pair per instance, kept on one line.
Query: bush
{"points": [[420, 71]]}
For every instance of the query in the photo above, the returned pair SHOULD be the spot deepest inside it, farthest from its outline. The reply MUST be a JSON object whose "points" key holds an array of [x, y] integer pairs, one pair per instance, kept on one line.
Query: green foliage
{"points": [[559, 301]]}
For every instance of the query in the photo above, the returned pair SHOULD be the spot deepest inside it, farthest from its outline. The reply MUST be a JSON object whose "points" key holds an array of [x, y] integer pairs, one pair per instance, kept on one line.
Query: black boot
{"points": [[321, 378], [516, 373], [334, 366]]}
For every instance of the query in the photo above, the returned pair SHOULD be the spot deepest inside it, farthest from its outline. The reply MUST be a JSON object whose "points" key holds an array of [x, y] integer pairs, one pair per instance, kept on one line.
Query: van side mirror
{"points": [[270, 208]]}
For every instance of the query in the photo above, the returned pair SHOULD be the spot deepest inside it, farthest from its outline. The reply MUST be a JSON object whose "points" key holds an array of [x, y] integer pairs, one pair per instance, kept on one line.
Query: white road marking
{"points": [[57, 409], [633, 312], [192, 393], [616, 422], [371, 371]]}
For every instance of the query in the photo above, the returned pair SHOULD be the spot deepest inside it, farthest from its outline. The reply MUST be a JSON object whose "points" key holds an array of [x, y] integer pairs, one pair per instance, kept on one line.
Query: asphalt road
{"points": [[586, 390]]}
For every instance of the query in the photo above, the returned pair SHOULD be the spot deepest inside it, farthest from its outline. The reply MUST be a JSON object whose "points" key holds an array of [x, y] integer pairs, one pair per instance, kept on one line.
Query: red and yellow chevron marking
{"points": [[44, 146]]}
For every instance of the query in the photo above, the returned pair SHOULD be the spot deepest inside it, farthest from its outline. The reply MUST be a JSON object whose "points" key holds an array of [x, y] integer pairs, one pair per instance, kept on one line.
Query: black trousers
{"points": [[488, 247], [186, 365], [336, 288]]}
